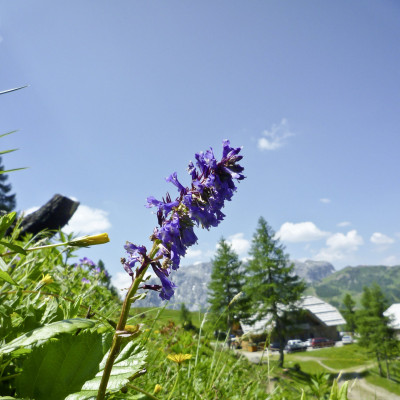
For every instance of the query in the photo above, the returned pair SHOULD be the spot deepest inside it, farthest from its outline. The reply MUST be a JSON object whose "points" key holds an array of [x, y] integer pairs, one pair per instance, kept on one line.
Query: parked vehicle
{"points": [[347, 339], [321, 342], [307, 342], [274, 346], [295, 345]]}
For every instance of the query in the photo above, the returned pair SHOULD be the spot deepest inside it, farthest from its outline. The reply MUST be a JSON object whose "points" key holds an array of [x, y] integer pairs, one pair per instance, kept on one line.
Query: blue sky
{"points": [[123, 93]]}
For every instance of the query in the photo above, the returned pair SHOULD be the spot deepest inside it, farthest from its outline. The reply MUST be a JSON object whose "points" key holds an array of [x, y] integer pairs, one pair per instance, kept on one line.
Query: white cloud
{"points": [[381, 239], [275, 137], [300, 232], [121, 281], [191, 253], [239, 244], [340, 246], [31, 210], [87, 220], [344, 223], [325, 200]]}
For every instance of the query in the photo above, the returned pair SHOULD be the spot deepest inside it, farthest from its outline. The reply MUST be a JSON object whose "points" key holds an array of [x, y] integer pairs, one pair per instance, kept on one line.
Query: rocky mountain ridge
{"points": [[193, 280]]}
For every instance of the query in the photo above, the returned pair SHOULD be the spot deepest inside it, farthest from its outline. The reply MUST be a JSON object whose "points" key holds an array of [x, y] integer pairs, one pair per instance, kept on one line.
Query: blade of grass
{"points": [[13, 90]]}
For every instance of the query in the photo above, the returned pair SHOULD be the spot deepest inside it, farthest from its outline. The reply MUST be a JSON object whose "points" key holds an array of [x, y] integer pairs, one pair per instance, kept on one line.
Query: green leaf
{"points": [[14, 247], [6, 277], [12, 170], [3, 265], [8, 133], [343, 391], [129, 362], [57, 368], [44, 333], [5, 222], [8, 398], [8, 151], [13, 90]]}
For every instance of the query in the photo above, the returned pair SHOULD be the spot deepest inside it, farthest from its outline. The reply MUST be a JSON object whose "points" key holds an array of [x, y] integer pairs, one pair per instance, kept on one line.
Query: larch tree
{"points": [[374, 328], [226, 283], [272, 288], [349, 313]]}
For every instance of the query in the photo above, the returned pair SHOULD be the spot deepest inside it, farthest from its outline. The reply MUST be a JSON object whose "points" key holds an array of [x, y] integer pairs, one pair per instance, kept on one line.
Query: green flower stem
{"points": [[5, 378], [116, 344], [176, 381], [84, 241], [47, 246], [142, 391]]}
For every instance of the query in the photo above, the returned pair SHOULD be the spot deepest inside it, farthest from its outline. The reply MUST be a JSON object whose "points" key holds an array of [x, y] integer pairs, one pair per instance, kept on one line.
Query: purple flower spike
{"points": [[213, 183]]}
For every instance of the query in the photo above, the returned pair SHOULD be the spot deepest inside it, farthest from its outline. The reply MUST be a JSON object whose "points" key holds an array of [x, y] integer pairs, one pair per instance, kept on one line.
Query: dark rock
{"points": [[52, 216]]}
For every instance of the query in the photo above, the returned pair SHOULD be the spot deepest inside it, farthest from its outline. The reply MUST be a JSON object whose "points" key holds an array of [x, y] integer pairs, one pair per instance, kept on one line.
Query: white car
{"points": [[295, 345], [347, 339]]}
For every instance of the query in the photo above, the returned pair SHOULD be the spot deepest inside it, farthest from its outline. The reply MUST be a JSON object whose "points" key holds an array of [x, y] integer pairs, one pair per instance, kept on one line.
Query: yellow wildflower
{"points": [[84, 241], [157, 389], [179, 358], [46, 279]]}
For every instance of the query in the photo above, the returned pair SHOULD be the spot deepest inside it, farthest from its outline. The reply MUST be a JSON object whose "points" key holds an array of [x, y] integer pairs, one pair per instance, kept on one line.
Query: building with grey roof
{"points": [[317, 318]]}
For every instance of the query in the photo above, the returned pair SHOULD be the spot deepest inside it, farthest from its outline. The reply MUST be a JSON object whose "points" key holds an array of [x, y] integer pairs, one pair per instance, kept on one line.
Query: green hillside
{"points": [[353, 279]]}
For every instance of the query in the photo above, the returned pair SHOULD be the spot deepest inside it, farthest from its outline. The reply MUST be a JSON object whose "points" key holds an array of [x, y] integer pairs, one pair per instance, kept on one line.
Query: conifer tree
{"points": [[349, 312], [226, 283], [374, 328], [271, 285], [7, 201]]}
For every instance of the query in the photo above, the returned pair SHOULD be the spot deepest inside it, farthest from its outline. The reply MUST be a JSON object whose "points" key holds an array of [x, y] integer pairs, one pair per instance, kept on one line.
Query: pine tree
{"points": [[374, 328], [226, 283], [271, 285], [349, 313], [7, 201]]}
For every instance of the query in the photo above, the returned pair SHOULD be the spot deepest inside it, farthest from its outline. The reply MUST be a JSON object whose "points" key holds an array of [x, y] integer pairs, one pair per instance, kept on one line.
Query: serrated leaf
{"points": [[6, 277], [46, 332], [130, 361], [14, 247], [55, 369]]}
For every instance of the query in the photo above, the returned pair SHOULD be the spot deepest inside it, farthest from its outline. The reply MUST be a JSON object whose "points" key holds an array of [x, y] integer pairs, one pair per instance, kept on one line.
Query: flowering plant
{"points": [[200, 204]]}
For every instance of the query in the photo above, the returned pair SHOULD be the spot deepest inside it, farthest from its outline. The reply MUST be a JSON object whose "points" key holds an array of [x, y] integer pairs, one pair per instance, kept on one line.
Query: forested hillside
{"points": [[353, 279]]}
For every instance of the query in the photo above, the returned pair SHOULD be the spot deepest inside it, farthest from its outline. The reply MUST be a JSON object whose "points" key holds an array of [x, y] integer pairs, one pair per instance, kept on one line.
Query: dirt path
{"points": [[359, 388]]}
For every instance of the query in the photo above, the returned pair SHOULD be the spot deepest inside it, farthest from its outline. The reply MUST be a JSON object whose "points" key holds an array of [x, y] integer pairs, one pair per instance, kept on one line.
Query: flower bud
{"points": [[84, 241], [46, 280], [157, 388]]}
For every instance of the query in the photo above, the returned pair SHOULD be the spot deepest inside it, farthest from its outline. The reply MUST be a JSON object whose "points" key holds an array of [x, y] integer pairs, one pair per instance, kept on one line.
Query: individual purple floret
{"points": [[199, 204], [85, 280], [87, 261], [97, 270]]}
